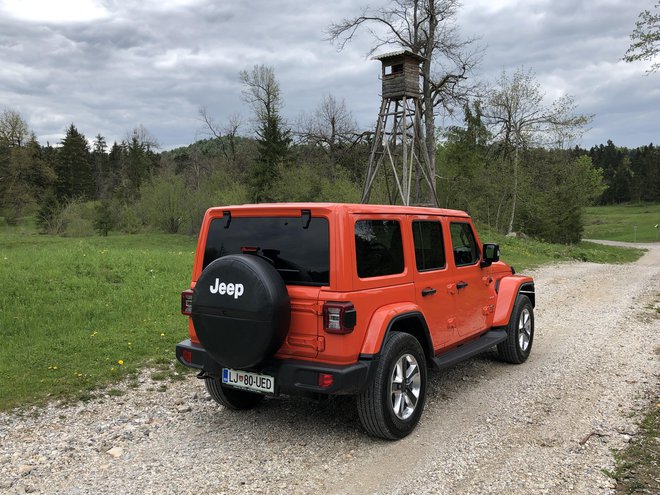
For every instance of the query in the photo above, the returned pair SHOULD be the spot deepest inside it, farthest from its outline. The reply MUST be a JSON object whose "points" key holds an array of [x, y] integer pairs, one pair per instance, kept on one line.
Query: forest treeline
{"points": [[84, 186]]}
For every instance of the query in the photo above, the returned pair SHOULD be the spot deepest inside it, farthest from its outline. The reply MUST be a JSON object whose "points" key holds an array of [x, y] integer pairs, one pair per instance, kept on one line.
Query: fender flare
{"points": [[385, 319], [508, 289]]}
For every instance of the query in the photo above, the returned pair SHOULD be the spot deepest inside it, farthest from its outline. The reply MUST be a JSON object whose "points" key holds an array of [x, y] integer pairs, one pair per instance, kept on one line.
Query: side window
{"points": [[378, 248], [429, 249], [464, 244]]}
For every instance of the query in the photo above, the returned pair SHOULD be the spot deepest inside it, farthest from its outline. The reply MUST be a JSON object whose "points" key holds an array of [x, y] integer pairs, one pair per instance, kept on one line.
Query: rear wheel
{"points": [[391, 405], [518, 344], [231, 398]]}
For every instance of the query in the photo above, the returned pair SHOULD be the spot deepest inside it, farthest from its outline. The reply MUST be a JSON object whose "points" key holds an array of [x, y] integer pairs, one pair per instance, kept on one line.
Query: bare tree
{"points": [[142, 137], [518, 119], [228, 131], [428, 28], [331, 127], [645, 39], [210, 125], [262, 91]]}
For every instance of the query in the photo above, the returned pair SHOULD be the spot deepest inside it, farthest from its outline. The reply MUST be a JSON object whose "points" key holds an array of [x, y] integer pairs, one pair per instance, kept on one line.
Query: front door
{"points": [[470, 282]]}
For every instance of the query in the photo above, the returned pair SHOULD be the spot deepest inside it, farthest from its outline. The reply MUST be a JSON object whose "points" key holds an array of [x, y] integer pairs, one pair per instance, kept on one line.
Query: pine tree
{"points": [[273, 146], [100, 167], [74, 167], [262, 92]]}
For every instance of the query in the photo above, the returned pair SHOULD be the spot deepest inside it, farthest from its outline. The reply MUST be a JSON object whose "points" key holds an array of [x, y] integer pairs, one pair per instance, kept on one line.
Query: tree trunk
{"points": [[429, 121], [429, 138], [515, 191]]}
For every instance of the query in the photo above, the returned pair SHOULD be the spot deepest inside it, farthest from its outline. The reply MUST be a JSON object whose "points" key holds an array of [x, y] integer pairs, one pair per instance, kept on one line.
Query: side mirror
{"points": [[491, 255]]}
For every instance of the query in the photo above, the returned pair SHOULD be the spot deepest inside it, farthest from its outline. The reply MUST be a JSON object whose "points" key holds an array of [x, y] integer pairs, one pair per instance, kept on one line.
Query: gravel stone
{"points": [[24, 469], [115, 452], [488, 427]]}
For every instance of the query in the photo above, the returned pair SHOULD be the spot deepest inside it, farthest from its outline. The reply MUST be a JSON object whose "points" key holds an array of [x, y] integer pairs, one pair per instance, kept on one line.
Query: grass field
{"points": [[78, 314], [618, 222], [529, 253]]}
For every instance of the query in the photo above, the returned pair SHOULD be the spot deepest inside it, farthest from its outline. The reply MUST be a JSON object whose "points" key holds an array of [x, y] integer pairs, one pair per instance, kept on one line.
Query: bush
{"points": [[105, 217], [77, 219], [305, 183], [216, 190], [163, 204], [554, 212], [48, 214], [128, 219]]}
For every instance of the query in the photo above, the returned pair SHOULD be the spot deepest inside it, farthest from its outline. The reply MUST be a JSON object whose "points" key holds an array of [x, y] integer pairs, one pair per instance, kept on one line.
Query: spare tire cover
{"points": [[241, 310]]}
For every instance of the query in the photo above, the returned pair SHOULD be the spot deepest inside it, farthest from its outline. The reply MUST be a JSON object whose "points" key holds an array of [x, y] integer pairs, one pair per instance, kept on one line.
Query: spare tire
{"points": [[241, 310]]}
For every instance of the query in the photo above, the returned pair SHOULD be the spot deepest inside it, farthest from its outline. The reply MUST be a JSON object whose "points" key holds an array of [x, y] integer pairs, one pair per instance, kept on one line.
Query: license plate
{"points": [[248, 381]]}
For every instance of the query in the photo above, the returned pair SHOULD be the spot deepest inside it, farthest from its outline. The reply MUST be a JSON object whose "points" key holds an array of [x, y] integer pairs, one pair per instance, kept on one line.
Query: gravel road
{"points": [[544, 427]]}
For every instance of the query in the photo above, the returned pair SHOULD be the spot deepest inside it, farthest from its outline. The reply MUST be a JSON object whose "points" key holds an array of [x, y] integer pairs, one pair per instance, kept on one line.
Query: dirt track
{"points": [[546, 426]]}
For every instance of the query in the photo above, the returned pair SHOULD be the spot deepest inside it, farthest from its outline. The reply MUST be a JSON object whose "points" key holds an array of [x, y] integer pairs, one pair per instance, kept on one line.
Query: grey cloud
{"points": [[155, 65]]}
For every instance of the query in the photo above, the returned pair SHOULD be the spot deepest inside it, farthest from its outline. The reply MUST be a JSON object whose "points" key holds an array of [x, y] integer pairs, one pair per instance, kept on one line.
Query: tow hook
{"points": [[203, 375]]}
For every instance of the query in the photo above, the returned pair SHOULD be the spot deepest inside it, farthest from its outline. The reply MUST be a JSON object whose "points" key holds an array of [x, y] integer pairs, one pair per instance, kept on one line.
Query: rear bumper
{"points": [[291, 377]]}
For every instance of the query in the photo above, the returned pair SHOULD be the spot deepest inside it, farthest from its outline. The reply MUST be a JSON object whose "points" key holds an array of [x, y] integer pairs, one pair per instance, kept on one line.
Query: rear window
{"points": [[429, 249], [378, 248], [301, 256]]}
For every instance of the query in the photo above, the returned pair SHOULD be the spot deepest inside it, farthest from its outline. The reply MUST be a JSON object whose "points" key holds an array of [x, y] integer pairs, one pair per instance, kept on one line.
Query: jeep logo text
{"points": [[221, 288]]}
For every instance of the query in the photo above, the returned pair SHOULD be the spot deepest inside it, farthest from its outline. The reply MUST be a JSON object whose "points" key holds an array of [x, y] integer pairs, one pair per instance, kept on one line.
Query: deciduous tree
{"points": [[428, 28], [13, 128], [331, 128], [645, 38], [518, 118]]}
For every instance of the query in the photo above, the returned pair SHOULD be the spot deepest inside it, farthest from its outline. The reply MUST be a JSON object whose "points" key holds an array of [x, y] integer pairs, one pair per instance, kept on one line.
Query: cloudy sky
{"points": [[110, 65]]}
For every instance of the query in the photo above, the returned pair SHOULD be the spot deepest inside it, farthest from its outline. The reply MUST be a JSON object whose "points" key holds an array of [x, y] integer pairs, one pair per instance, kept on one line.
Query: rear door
{"points": [[470, 282], [432, 278]]}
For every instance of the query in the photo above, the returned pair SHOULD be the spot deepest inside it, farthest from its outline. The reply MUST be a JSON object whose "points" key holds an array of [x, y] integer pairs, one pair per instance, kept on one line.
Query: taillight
{"points": [[186, 354], [186, 302], [325, 380], [339, 317]]}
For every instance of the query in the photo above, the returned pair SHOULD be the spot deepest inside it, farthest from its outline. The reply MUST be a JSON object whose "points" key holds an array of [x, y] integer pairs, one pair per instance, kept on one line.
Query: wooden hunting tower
{"points": [[399, 138], [400, 74]]}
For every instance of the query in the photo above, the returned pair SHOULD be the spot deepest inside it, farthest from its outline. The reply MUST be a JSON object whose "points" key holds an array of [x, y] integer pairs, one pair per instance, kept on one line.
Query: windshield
{"points": [[301, 256]]}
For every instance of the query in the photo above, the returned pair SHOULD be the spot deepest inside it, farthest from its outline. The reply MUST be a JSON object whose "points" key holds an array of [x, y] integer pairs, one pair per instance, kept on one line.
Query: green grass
{"points": [[76, 314], [637, 465], [617, 223], [525, 254]]}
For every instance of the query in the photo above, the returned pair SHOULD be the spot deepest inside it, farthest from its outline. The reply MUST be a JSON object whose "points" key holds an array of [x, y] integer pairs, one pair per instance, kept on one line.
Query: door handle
{"points": [[429, 291], [461, 285]]}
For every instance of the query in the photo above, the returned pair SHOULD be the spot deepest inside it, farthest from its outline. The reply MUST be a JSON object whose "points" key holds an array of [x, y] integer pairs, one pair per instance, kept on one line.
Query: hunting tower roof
{"points": [[399, 53]]}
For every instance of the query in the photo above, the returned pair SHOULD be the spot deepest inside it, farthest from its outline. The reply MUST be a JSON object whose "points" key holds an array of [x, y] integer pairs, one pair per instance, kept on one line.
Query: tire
{"points": [[231, 398], [385, 411], [241, 310], [516, 348]]}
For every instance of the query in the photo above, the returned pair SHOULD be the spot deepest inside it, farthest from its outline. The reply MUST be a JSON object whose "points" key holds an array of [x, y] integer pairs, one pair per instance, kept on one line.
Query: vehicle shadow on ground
{"points": [[336, 417]]}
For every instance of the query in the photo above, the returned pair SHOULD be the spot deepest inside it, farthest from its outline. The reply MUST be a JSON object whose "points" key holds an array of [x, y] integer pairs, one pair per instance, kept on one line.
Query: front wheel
{"points": [[231, 398], [391, 405], [518, 344]]}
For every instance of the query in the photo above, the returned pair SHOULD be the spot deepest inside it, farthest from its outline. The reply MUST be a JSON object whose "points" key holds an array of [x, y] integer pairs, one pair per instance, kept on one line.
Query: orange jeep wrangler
{"points": [[328, 299]]}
